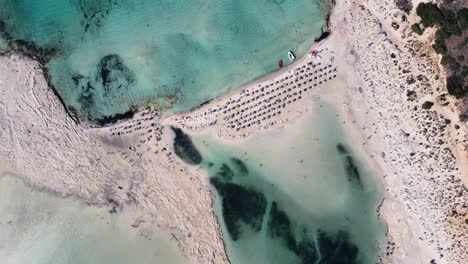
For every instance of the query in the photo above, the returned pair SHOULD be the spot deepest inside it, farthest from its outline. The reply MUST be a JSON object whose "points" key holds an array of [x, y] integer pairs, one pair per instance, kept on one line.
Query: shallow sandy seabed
{"points": [[418, 154], [50, 152]]}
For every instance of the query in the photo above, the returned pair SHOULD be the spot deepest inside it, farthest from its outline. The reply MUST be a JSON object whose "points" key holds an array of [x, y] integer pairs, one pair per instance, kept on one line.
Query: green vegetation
{"points": [[455, 86], [462, 44], [417, 29], [439, 44], [462, 18], [449, 24], [464, 72], [447, 60], [430, 14]]}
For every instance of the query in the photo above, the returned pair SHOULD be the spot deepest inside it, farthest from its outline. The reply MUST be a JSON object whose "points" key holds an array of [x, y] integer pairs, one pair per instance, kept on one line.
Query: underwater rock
{"points": [[336, 249], [352, 170], [94, 12], [184, 148], [280, 226], [107, 85], [113, 74], [333, 249], [225, 172], [240, 205], [342, 149]]}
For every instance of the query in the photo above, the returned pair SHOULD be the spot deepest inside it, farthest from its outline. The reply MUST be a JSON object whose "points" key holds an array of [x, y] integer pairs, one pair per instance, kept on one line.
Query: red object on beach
{"points": [[280, 63]]}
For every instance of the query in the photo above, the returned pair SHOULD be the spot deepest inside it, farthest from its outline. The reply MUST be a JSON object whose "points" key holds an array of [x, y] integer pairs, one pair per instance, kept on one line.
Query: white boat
{"points": [[291, 56]]}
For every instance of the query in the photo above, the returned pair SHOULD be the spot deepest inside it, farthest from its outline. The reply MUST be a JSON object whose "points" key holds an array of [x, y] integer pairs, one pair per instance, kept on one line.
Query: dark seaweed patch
{"points": [[342, 149], [225, 172], [112, 78], [240, 165], [352, 170], [306, 251], [184, 148], [280, 227], [336, 249], [113, 74], [240, 205], [94, 12]]}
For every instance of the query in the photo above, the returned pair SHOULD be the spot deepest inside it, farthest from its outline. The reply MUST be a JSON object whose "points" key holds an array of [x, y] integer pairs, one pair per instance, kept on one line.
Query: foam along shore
{"points": [[379, 82]]}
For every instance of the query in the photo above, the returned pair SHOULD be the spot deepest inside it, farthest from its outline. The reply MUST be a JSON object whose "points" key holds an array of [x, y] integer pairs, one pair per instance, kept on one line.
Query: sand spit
{"points": [[129, 164]]}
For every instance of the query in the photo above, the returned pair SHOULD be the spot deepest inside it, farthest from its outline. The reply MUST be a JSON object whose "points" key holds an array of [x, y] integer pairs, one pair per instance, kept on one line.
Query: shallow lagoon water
{"points": [[37, 227], [112, 55], [298, 197]]}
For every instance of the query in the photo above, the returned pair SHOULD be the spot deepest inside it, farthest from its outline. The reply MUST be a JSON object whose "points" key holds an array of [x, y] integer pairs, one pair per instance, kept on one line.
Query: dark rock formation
{"points": [[427, 105], [184, 148], [241, 206]]}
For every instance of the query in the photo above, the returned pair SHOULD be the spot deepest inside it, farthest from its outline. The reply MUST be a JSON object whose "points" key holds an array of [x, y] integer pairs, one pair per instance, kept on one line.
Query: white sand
{"points": [[422, 165]]}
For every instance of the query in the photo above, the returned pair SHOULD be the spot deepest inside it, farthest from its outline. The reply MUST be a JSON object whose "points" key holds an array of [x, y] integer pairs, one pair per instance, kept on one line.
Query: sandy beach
{"points": [[381, 83], [375, 75]]}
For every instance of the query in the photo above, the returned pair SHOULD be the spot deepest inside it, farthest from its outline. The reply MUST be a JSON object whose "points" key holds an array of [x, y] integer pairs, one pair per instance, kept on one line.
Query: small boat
{"points": [[280, 63], [291, 56]]}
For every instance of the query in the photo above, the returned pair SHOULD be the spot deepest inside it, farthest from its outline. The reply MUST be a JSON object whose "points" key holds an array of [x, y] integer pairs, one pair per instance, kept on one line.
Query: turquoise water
{"points": [[301, 196], [3, 44], [39, 228], [112, 55]]}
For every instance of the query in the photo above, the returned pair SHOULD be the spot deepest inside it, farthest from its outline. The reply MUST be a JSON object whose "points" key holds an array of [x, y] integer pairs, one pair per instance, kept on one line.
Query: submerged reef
{"points": [[280, 227], [241, 205], [245, 203], [225, 172], [240, 166], [184, 148], [329, 248], [108, 85]]}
